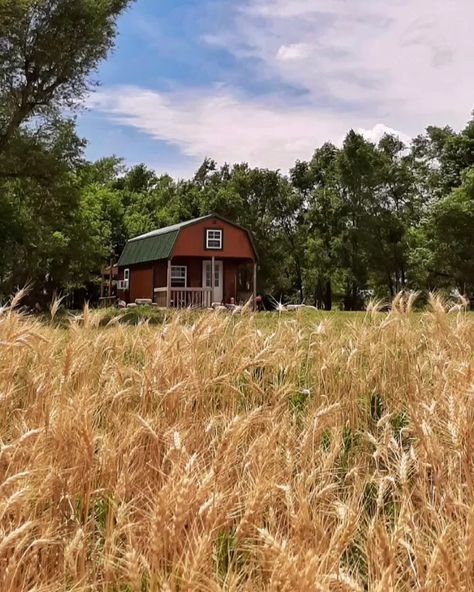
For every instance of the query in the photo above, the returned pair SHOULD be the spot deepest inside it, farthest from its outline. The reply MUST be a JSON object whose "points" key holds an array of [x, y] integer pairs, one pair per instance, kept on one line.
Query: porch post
{"points": [[110, 277], [213, 278], [255, 285], [168, 285]]}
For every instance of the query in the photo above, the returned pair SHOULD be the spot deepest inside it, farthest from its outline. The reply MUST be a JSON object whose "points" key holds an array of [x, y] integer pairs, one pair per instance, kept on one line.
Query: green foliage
{"points": [[376, 407], [298, 402], [49, 236], [102, 507], [451, 229], [350, 442], [326, 440], [398, 423], [48, 49], [363, 220], [228, 556], [369, 498], [225, 552]]}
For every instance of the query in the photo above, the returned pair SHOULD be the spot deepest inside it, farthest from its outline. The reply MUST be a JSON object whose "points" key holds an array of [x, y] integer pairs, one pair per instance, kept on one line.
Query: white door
{"points": [[218, 295]]}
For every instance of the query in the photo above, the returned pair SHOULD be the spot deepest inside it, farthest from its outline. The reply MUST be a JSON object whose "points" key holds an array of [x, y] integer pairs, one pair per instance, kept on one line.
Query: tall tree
{"points": [[48, 50], [317, 182], [42, 209], [448, 237], [359, 172], [395, 208]]}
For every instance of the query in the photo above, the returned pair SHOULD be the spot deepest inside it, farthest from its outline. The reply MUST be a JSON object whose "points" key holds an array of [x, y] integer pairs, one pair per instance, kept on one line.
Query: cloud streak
{"points": [[408, 62], [364, 64], [223, 125]]}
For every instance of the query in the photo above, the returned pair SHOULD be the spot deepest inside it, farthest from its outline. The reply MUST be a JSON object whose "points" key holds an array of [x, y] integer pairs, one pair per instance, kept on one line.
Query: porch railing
{"points": [[160, 296], [184, 297], [105, 301]]}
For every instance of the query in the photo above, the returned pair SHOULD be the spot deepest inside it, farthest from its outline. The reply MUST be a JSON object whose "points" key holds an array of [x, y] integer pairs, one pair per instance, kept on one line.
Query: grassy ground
{"points": [[268, 320], [305, 451]]}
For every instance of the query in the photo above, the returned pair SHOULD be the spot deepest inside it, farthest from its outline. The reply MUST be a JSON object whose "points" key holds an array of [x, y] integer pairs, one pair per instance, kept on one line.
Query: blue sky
{"points": [[266, 81]]}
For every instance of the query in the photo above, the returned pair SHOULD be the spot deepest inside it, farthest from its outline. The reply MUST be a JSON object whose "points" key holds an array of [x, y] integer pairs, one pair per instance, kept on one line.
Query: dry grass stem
{"points": [[220, 452]]}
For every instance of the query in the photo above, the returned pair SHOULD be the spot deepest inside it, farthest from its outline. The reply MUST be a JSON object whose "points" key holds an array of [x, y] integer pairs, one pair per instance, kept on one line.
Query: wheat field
{"points": [[212, 454]]}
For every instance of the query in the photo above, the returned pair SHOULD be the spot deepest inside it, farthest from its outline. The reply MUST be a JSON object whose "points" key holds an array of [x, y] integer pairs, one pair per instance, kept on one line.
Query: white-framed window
{"points": [[126, 274], [213, 239], [179, 276]]}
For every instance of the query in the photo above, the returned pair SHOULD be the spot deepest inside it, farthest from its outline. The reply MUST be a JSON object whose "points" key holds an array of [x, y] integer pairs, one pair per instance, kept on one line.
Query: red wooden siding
{"points": [[141, 282], [160, 270], [191, 241], [230, 280], [194, 270], [144, 278]]}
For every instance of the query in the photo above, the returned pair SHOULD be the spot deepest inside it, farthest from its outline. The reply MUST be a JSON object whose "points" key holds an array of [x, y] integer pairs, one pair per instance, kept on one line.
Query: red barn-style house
{"points": [[199, 263]]}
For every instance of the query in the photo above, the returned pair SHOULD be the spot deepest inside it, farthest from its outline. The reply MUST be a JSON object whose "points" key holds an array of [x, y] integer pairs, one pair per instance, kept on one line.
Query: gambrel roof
{"points": [[158, 244]]}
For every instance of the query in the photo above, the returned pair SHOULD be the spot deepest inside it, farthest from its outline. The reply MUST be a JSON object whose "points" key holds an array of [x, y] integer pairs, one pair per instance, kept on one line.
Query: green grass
{"points": [[308, 319]]}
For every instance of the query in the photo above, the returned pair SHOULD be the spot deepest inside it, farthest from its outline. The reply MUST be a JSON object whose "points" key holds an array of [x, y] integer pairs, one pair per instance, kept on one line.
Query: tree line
{"points": [[355, 221]]}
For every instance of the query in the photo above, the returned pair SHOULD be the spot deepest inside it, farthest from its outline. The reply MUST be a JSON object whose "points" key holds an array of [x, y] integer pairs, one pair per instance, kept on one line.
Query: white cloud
{"points": [[223, 125], [380, 130], [369, 65], [229, 128], [405, 62], [295, 8], [294, 51]]}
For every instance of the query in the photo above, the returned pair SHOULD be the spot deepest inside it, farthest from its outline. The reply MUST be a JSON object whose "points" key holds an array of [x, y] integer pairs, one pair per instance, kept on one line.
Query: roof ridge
{"points": [[171, 228]]}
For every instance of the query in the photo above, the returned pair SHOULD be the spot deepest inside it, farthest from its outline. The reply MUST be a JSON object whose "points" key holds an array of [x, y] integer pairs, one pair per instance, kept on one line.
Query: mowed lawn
{"points": [[294, 451]]}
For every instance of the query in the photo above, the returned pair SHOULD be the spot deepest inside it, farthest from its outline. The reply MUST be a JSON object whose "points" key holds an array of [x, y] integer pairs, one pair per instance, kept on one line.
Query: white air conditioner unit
{"points": [[122, 284]]}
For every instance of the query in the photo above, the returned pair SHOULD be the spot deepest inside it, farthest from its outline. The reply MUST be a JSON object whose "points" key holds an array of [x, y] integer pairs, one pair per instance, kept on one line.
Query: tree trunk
{"points": [[403, 276], [328, 296], [390, 285], [299, 279]]}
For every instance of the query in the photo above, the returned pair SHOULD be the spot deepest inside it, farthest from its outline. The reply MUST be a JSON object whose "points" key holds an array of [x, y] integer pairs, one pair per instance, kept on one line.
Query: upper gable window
{"points": [[213, 239]]}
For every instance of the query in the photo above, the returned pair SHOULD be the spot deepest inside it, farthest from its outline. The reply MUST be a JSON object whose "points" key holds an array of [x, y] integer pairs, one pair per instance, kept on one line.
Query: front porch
{"points": [[183, 297], [196, 282]]}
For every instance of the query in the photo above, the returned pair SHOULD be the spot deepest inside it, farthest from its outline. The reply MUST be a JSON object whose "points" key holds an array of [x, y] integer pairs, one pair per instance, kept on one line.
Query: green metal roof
{"points": [[159, 244], [148, 248], [172, 228]]}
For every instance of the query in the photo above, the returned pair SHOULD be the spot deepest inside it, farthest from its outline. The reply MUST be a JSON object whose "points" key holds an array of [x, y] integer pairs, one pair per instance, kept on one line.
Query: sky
{"points": [[268, 81]]}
